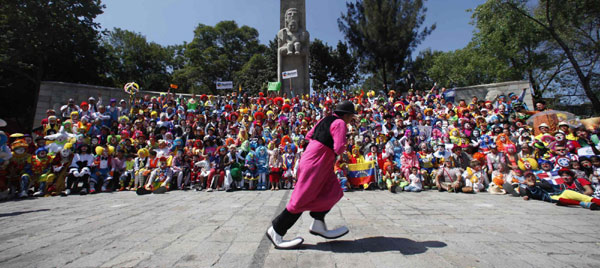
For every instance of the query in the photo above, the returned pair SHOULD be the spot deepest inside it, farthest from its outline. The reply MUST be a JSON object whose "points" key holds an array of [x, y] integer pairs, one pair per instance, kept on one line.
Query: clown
{"points": [[474, 177], [35, 174], [427, 163], [262, 161], [233, 173], [251, 175], [408, 160], [5, 155], [199, 172], [80, 171], [562, 158], [60, 139], [318, 188], [289, 163], [60, 166], [160, 177], [17, 163], [103, 162]]}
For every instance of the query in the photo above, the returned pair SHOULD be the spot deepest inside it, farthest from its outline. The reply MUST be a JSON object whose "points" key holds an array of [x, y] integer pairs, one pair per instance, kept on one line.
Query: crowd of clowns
{"points": [[419, 141]]}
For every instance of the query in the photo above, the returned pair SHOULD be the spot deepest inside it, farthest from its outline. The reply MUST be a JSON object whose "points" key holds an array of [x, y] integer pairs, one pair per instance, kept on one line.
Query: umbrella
{"points": [[552, 118], [591, 123], [17, 135], [2, 123]]}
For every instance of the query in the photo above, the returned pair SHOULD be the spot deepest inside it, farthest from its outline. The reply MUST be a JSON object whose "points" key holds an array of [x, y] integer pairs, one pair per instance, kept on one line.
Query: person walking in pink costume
{"points": [[318, 188]]}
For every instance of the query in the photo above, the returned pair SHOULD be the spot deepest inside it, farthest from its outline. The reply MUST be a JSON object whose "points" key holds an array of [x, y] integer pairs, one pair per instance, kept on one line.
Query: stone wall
{"points": [[56, 94], [491, 91]]}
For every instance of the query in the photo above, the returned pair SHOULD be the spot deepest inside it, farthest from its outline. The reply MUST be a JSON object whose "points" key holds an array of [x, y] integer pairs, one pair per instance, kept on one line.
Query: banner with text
{"points": [[225, 85], [289, 74], [274, 86]]}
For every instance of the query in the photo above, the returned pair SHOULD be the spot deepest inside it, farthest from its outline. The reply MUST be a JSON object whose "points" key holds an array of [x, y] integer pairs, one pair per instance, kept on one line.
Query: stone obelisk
{"points": [[293, 42]]}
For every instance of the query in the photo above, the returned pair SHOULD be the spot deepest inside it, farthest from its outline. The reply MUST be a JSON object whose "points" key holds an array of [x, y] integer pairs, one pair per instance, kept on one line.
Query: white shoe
{"points": [[209, 189], [279, 243], [319, 228], [23, 194], [38, 194]]}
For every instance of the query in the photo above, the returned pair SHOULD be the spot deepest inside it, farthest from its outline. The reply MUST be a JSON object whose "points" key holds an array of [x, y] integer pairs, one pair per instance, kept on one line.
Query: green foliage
{"points": [[332, 68], [384, 33], [417, 72], [345, 67], [255, 74], [573, 27], [321, 65], [45, 40], [133, 58], [470, 66], [524, 45], [217, 52]]}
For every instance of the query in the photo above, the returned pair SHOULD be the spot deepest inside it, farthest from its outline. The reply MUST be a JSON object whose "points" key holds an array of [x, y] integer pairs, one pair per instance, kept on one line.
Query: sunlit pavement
{"points": [[220, 229]]}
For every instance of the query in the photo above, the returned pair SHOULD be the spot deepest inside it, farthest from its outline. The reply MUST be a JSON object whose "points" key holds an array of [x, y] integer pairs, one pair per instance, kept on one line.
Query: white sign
{"points": [[289, 74], [586, 151], [225, 85]]}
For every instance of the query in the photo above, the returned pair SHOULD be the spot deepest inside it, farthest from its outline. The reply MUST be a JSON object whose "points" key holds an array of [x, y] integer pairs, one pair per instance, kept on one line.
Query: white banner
{"points": [[586, 151], [289, 74], [225, 85]]}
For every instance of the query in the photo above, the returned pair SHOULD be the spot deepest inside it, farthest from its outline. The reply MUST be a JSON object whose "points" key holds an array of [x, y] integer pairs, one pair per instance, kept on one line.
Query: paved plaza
{"points": [[219, 229]]}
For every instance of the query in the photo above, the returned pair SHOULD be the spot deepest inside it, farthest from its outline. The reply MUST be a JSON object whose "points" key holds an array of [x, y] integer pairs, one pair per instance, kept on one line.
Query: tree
{"points": [[46, 40], [255, 74], [321, 65], [417, 72], [524, 45], [573, 26], [332, 68], [132, 58], [217, 53], [345, 67], [469, 66], [384, 33]]}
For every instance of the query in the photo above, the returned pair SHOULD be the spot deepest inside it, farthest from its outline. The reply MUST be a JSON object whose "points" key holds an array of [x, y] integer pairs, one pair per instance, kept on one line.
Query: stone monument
{"points": [[293, 42]]}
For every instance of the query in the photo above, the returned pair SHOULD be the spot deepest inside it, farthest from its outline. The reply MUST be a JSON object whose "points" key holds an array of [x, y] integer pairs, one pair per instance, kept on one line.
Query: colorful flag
{"points": [[449, 94], [274, 86], [552, 177], [173, 86], [360, 174]]}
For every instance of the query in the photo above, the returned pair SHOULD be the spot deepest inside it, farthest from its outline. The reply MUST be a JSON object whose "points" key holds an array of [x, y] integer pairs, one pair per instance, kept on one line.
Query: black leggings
{"points": [[286, 220]]}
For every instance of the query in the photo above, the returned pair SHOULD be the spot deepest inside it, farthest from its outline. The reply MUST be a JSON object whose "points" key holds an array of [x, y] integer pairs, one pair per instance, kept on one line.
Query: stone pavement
{"points": [[219, 229]]}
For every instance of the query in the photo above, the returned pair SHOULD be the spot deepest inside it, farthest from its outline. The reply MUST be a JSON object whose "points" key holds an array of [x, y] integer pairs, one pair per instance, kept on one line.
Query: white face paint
{"points": [[65, 153], [20, 151]]}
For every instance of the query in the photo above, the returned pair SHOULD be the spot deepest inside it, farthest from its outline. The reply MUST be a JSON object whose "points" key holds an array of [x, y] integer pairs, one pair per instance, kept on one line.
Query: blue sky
{"points": [[170, 22]]}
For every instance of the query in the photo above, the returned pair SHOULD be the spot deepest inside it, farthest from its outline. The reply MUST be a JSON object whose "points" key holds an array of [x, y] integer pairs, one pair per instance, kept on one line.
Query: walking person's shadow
{"points": [[376, 244]]}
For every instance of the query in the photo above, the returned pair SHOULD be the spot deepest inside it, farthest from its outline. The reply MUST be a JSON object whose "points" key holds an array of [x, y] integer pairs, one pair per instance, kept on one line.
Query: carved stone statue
{"points": [[292, 40]]}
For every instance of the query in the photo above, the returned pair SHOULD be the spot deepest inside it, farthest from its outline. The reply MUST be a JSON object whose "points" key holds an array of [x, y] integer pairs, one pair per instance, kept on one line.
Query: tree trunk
{"points": [[537, 95], [384, 73], [585, 80]]}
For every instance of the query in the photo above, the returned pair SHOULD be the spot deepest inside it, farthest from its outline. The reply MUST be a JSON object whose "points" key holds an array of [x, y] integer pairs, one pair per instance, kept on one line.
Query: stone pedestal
{"points": [[293, 42]]}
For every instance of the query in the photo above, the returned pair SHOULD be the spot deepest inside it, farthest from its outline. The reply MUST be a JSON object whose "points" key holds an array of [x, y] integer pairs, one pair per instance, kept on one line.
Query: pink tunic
{"points": [[318, 189]]}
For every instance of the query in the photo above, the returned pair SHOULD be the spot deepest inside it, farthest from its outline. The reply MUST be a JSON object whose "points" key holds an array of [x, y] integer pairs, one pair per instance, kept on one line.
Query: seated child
{"points": [[416, 181]]}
